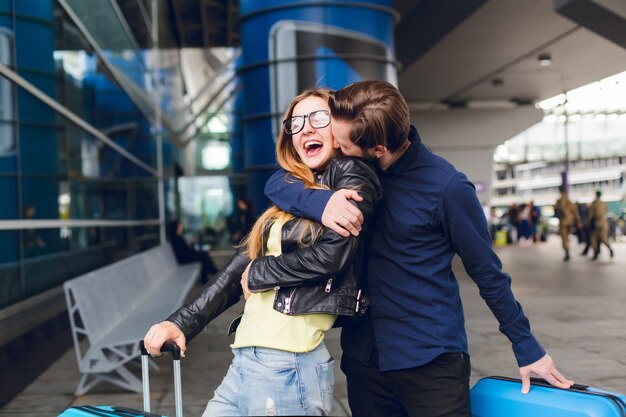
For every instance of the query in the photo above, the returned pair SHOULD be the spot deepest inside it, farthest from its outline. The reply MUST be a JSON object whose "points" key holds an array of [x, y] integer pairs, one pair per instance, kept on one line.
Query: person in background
{"points": [[297, 277], [242, 219], [514, 221], [584, 233], [599, 225], [33, 243], [535, 221], [568, 217], [525, 226], [410, 356], [185, 253]]}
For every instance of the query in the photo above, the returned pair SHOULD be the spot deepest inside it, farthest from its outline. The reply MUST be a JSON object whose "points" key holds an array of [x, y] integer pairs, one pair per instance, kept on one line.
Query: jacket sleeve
{"points": [[223, 292], [329, 254], [464, 223], [292, 197]]}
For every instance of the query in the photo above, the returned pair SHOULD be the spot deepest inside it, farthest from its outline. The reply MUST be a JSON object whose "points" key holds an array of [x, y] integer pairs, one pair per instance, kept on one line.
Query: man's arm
{"points": [[330, 208], [464, 223]]}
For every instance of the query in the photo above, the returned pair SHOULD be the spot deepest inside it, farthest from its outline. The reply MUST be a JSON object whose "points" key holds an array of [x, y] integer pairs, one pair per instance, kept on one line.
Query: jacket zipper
{"points": [[287, 309], [276, 288], [358, 301], [329, 284]]}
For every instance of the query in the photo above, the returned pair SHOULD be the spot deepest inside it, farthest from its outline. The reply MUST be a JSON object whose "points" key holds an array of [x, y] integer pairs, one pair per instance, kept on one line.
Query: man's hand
{"points": [[244, 282], [342, 216], [545, 369]]}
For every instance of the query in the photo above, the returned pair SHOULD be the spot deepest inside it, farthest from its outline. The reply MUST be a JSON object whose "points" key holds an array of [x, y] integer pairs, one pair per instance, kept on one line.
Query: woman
{"points": [[302, 276]]}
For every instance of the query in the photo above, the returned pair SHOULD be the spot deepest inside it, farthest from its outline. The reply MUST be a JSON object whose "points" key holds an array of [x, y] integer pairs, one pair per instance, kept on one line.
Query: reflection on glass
{"points": [[6, 96], [83, 250], [215, 155], [206, 202]]}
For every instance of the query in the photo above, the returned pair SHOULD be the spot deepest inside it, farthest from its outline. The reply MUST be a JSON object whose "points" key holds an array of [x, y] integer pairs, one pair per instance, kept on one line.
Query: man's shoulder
{"points": [[431, 160]]}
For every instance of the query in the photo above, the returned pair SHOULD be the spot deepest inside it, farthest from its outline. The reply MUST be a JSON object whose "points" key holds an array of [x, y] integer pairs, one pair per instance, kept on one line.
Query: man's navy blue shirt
{"points": [[429, 213]]}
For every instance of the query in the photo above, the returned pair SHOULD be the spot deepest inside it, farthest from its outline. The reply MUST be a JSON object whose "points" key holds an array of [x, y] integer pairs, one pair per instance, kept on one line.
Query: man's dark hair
{"points": [[377, 112]]}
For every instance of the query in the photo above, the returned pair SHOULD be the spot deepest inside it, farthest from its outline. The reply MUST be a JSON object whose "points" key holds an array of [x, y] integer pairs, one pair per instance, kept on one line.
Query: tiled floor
{"points": [[577, 310]]}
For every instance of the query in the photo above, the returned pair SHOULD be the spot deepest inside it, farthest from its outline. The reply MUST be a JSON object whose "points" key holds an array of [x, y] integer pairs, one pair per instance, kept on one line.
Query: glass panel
{"points": [[7, 139], [10, 272], [52, 168], [131, 66], [206, 203], [68, 174], [104, 25], [82, 250], [8, 197]]}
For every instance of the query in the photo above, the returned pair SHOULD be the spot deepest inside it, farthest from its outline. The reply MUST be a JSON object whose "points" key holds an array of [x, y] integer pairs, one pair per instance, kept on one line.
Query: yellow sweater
{"points": [[263, 326]]}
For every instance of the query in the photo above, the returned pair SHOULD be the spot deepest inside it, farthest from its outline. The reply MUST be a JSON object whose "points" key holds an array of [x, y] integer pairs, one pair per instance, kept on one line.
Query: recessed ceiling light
{"points": [[544, 60]]}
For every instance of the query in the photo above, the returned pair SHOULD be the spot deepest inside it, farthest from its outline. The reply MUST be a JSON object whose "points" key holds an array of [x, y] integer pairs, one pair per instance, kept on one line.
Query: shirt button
{"points": [[279, 304]]}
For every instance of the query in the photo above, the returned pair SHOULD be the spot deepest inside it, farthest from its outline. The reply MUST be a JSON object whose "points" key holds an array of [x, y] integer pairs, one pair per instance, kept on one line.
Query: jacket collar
{"points": [[407, 158]]}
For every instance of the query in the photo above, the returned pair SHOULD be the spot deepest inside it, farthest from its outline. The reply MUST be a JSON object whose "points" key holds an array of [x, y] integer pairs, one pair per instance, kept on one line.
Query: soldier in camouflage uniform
{"points": [[599, 225], [568, 216]]}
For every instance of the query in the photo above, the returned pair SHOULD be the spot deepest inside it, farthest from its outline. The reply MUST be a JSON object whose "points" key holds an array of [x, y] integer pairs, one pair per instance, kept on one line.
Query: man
{"points": [[409, 355], [599, 225], [568, 217]]}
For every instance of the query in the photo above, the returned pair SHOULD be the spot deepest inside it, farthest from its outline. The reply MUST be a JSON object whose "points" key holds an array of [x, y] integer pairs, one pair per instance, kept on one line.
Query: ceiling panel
{"points": [[502, 40]]}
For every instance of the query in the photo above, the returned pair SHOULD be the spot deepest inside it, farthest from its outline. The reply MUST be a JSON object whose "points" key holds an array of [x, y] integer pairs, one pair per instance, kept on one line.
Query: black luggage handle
{"points": [[174, 349], [168, 346], [543, 383]]}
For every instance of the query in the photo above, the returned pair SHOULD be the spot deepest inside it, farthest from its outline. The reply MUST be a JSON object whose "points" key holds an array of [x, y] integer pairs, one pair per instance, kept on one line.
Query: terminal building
{"points": [[583, 137], [117, 116]]}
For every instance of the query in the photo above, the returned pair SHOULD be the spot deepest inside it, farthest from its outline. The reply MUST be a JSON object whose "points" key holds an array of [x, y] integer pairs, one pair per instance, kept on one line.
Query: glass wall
{"points": [[78, 154]]}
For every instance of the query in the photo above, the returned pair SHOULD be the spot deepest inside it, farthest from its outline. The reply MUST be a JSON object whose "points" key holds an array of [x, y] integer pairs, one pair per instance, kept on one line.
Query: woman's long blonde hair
{"points": [[290, 161]]}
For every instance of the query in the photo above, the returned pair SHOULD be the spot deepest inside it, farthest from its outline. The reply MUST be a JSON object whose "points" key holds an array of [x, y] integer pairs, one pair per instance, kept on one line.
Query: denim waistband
{"points": [[320, 353]]}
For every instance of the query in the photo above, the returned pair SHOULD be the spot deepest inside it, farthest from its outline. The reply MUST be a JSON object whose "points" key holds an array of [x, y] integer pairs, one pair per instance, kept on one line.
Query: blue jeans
{"points": [[262, 381]]}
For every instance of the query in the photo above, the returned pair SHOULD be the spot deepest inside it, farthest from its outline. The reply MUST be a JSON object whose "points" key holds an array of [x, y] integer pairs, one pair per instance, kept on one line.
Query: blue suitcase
{"points": [[105, 410], [502, 397]]}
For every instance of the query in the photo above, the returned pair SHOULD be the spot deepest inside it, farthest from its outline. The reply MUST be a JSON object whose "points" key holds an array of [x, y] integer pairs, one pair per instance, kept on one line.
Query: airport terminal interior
{"points": [[119, 118]]}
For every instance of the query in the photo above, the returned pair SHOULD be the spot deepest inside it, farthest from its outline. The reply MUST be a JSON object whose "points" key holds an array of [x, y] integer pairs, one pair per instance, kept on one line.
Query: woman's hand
{"points": [[244, 282], [162, 332]]}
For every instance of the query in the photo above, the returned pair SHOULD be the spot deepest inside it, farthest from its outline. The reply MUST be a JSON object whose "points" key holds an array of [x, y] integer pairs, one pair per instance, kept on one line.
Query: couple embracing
{"points": [[365, 224]]}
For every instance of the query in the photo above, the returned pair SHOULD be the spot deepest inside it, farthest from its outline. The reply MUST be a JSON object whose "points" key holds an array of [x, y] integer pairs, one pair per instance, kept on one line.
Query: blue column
{"points": [[292, 45]]}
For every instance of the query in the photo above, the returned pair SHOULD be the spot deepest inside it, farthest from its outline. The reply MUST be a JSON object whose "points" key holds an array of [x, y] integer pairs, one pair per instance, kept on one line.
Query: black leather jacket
{"points": [[325, 277]]}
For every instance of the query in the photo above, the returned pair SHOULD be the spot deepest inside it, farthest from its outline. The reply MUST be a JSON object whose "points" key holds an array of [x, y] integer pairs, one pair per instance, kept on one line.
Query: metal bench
{"points": [[113, 307]]}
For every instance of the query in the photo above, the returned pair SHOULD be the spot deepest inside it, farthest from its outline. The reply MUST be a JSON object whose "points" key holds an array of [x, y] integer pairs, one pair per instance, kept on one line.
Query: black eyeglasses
{"points": [[317, 119]]}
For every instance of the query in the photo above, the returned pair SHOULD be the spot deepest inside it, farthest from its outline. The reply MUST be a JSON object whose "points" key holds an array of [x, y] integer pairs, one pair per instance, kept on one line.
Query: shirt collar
{"points": [[407, 157]]}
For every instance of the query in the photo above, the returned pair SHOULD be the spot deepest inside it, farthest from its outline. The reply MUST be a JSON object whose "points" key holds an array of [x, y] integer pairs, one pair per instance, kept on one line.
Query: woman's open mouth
{"points": [[313, 147]]}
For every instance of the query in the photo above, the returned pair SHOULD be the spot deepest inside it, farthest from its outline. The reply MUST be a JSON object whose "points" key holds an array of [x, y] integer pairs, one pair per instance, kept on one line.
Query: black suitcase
{"points": [[109, 410]]}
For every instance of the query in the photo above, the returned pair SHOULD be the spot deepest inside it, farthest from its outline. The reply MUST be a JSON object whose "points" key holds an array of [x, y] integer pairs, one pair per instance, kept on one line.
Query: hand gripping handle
{"points": [[168, 346], [174, 349]]}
